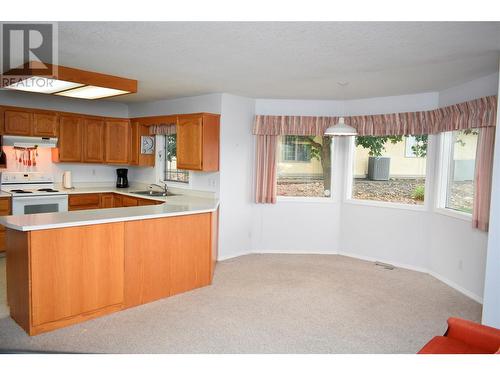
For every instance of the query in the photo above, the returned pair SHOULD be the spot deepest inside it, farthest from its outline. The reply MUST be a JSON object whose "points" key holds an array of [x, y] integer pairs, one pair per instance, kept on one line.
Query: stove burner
{"points": [[48, 190], [20, 191]]}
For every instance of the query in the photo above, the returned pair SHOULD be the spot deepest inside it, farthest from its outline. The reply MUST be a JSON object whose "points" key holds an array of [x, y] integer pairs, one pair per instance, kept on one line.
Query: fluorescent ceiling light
{"points": [[43, 85], [92, 92]]}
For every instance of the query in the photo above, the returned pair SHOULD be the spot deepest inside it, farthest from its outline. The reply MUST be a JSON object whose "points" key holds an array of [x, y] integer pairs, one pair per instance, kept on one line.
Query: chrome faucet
{"points": [[164, 187]]}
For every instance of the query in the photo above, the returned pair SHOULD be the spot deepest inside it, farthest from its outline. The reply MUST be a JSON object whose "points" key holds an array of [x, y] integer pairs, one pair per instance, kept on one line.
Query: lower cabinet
{"points": [[4, 210], [62, 276], [164, 257], [107, 200], [83, 273], [92, 201]]}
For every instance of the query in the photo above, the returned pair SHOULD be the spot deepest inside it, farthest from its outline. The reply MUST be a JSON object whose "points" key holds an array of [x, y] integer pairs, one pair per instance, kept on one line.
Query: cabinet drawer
{"points": [[84, 201], [4, 206]]}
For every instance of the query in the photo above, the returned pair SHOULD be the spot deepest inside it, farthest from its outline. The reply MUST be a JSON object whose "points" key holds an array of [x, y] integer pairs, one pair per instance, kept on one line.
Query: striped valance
{"points": [[476, 113], [163, 129]]}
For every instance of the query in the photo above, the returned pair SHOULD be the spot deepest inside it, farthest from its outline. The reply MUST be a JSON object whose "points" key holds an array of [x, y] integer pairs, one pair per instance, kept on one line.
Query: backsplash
{"points": [[80, 172]]}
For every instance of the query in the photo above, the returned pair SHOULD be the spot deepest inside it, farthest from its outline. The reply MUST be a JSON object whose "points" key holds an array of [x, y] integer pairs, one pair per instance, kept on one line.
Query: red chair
{"points": [[464, 337]]}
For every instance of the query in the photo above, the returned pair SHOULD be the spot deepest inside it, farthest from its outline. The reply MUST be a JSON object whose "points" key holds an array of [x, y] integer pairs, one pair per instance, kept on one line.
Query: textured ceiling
{"points": [[283, 60]]}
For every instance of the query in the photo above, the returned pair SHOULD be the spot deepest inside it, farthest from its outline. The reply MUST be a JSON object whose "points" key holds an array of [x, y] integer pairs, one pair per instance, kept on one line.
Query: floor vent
{"points": [[387, 266]]}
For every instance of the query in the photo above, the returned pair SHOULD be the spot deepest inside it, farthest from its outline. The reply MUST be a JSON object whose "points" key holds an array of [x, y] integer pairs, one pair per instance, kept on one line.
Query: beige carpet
{"points": [[273, 304]]}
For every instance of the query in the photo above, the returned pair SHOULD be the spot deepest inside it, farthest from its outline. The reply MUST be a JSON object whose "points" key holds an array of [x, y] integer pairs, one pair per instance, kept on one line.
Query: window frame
{"points": [[444, 174], [160, 165], [349, 181], [330, 199]]}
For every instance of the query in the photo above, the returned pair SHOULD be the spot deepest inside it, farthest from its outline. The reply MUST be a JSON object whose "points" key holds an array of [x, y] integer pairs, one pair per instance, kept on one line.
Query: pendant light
{"points": [[341, 128]]}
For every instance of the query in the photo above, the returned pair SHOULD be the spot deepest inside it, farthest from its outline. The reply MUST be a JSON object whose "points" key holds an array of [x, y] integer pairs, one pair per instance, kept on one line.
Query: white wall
{"points": [[210, 103], [80, 172], [484, 86], [491, 307], [236, 176]]}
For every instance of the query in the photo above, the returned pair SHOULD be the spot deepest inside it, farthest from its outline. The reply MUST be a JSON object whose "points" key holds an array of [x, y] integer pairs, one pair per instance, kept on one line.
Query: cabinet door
{"points": [[117, 141], [135, 146], [93, 141], [117, 200], [190, 143], [45, 125], [107, 200], [129, 201], [75, 271], [84, 201], [18, 123], [70, 139]]}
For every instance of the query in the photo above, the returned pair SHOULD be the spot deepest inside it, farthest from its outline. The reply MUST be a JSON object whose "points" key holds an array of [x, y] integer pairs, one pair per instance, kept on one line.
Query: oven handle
{"points": [[39, 197]]}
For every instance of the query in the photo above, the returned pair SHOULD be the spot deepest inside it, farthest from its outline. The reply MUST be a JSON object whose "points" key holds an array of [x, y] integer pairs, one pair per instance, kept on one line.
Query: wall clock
{"points": [[147, 145]]}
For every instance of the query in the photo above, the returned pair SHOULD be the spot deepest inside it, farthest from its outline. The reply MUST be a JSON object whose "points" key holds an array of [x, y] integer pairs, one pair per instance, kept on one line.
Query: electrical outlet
{"points": [[460, 265], [93, 172]]}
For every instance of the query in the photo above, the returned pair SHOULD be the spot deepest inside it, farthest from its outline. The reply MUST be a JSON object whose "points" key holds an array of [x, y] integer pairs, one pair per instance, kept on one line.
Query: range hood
{"points": [[19, 141]]}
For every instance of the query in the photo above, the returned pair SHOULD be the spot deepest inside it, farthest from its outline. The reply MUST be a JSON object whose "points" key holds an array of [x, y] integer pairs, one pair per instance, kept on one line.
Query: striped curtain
{"points": [[265, 179], [482, 179], [162, 129], [477, 113]]}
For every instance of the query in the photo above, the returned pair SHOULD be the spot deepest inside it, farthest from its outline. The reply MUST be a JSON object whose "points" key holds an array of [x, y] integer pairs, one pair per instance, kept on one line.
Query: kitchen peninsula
{"points": [[67, 267]]}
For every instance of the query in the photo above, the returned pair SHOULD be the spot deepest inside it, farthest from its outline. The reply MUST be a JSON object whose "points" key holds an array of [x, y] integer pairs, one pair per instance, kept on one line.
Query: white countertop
{"points": [[174, 206]]}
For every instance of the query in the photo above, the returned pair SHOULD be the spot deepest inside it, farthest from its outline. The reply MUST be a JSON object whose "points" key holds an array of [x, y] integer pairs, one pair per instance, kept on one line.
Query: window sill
{"points": [[380, 204], [304, 199], [453, 213]]}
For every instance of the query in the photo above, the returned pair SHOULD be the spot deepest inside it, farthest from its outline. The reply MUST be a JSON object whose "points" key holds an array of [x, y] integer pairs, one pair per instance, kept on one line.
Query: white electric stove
{"points": [[33, 192]]}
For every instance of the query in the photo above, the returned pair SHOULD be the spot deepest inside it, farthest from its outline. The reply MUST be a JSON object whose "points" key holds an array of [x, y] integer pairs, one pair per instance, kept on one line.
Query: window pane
{"points": [[304, 166], [390, 168], [171, 171], [460, 194]]}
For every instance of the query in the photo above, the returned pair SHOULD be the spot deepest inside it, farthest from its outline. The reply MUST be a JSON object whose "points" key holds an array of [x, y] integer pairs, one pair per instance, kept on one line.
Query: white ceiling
{"points": [[283, 60]]}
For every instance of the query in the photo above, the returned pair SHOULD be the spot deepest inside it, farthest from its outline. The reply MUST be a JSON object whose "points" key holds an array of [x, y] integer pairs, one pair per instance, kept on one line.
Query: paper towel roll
{"points": [[67, 183]]}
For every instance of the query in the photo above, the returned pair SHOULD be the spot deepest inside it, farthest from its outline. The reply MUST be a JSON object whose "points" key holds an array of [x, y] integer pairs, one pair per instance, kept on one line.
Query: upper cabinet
{"points": [[70, 140], [45, 125], [198, 142], [18, 122], [117, 140], [30, 123], [93, 141]]}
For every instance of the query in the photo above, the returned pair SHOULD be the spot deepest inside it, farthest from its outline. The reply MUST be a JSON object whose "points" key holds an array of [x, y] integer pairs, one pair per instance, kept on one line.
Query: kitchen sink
{"points": [[152, 193]]}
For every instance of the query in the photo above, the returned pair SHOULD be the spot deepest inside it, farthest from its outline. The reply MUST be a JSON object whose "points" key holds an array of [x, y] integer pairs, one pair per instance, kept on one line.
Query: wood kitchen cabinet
{"points": [[5, 209], [198, 142], [117, 139], [135, 143], [93, 141], [89, 201], [82, 277], [129, 201], [107, 200], [17, 122], [45, 125], [69, 145]]}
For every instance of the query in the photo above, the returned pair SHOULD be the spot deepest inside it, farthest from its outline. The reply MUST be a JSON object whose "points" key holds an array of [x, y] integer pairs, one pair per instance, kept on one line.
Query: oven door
{"points": [[39, 204]]}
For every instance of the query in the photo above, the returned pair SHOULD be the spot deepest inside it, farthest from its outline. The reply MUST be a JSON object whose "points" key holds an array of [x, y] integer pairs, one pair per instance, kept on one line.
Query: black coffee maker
{"points": [[121, 178]]}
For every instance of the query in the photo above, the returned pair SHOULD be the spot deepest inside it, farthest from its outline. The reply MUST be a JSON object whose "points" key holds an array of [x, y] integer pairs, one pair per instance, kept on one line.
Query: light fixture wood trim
{"points": [[84, 77]]}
